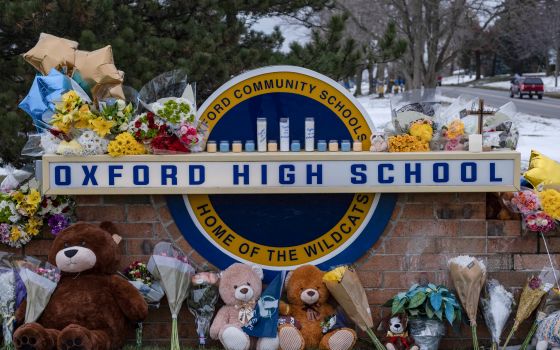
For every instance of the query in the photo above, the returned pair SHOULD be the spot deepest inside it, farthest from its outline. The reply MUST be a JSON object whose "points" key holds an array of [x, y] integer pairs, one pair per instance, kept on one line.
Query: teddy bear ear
{"points": [[258, 270], [287, 278]]}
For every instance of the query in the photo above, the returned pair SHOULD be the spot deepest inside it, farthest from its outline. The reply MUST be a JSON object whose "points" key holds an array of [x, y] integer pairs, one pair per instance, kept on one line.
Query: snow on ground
{"points": [[457, 79], [547, 81], [536, 133]]}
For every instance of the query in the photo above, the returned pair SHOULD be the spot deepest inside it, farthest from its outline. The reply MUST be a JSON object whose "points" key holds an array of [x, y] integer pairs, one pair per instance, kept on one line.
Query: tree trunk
{"points": [[494, 64], [477, 64], [381, 78], [371, 80], [557, 67], [418, 48], [359, 72]]}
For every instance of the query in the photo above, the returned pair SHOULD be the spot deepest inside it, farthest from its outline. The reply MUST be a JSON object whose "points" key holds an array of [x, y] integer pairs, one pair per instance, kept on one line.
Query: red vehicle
{"points": [[526, 86]]}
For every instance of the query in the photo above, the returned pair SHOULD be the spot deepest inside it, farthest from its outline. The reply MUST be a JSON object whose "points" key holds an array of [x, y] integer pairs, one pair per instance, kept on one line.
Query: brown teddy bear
{"points": [[240, 288], [308, 304], [92, 306]]}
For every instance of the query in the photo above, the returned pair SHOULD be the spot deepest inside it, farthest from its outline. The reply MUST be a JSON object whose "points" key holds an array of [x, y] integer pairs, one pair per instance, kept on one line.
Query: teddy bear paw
{"points": [[30, 337], [233, 338], [290, 338], [25, 343], [74, 337], [342, 339]]}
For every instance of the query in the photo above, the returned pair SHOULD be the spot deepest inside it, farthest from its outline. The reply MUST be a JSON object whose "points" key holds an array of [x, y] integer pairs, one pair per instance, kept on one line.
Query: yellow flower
{"points": [[101, 126], [70, 101], [15, 233], [34, 197], [18, 196], [125, 144], [33, 225], [407, 143], [422, 131], [83, 117], [455, 128], [550, 202], [335, 275]]}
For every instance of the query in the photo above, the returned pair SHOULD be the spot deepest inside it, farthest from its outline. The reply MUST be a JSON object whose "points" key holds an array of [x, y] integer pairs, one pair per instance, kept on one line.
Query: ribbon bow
{"points": [[394, 339], [313, 313], [246, 311]]}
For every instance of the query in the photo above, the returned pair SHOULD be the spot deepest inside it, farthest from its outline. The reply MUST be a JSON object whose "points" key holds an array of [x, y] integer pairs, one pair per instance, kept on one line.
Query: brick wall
{"points": [[424, 232]]}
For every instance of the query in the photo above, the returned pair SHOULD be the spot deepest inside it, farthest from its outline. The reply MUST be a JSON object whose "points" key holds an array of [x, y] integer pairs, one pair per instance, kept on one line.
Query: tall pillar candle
{"points": [[261, 134], [284, 135], [309, 134]]}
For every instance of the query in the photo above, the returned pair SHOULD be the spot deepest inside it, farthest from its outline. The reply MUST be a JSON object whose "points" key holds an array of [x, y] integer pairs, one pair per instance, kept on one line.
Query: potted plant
{"points": [[427, 307]]}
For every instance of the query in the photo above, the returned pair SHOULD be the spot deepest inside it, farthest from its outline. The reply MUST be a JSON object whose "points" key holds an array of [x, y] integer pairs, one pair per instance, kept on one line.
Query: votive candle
{"points": [[211, 147], [224, 146], [357, 147], [333, 146], [322, 146], [272, 146], [249, 146], [237, 147], [345, 146], [295, 146]]}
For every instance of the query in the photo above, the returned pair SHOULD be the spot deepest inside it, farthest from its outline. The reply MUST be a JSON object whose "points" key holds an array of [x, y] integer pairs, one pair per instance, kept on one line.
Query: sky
{"points": [[290, 31]]}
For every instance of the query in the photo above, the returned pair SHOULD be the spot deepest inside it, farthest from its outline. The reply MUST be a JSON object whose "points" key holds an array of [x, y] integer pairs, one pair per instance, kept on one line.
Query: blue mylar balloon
{"points": [[46, 89]]}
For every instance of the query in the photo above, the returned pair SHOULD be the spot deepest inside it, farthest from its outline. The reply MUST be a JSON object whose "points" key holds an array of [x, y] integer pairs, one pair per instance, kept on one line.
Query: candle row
{"points": [[295, 146]]}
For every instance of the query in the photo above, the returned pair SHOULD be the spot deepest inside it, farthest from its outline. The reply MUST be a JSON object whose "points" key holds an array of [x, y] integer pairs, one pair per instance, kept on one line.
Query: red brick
{"points": [[472, 227], [426, 228], [526, 244], [510, 278], [174, 231], [552, 242], [141, 213], [402, 198], [135, 230], [140, 246], [88, 200], [6, 249], [38, 247], [431, 197], [504, 228], [164, 215], [533, 262], [461, 245], [397, 211], [460, 211], [159, 200], [469, 197], [381, 262], [418, 211], [380, 296], [133, 199], [100, 213], [404, 280], [428, 262], [126, 260], [398, 245], [370, 279], [184, 245]]}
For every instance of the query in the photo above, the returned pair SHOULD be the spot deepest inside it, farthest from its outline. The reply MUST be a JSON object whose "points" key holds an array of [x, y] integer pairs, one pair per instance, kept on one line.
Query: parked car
{"points": [[526, 86]]}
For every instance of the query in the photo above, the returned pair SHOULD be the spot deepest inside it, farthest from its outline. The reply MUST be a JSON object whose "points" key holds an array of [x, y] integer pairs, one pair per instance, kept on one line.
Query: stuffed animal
{"points": [[378, 142], [240, 288], [397, 335], [307, 303], [547, 332], [91, 307]]}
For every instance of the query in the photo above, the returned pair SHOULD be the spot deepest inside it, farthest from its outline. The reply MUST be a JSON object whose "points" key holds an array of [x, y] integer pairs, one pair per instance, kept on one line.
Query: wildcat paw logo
{"points": [[283, 231]]}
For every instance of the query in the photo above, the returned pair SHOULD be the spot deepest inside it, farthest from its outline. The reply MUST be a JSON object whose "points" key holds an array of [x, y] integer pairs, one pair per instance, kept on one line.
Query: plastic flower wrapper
{"points": [[170, 84], [138, 275], [345, 286], [413, 105], [525, 201], [502, 128], [468, 275], [496, 308], [531, 296], [202, 299], [170, 265], [9, 183], [7, 303], [40, 282]]}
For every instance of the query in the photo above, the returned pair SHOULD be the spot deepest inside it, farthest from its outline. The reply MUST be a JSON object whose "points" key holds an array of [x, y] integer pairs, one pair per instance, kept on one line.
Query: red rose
{"points": [[137, 124]]}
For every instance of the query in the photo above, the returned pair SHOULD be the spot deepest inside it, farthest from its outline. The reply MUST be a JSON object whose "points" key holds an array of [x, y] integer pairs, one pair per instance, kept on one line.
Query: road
{"points": [[547, 107]]}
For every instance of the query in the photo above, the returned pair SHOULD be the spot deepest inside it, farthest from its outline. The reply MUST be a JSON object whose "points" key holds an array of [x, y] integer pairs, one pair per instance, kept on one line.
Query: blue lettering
{"points": [[285, 177], [318, 174], [244, 174], [493, 177], [89, 175], [113, 173], [408, 173], [436, 172], [359, 177], [264, 176], [58, 179], [472, 177], [381, 175], [136, 175], [195, 170], [169, 172]]}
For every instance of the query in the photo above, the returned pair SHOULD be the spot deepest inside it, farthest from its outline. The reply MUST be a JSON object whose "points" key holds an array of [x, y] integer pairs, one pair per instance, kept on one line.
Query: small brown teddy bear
{"points": [[91, 306], [308, 304], [397, 335]]}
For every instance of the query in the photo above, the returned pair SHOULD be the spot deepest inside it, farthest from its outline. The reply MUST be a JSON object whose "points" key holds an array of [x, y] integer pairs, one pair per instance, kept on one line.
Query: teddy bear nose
{"points": [[70, 252], [244, 290], [310, 293], [397, 326]]}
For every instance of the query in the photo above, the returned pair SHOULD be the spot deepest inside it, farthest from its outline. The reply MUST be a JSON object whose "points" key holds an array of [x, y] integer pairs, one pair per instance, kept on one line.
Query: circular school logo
{"points": [[283, 231]]}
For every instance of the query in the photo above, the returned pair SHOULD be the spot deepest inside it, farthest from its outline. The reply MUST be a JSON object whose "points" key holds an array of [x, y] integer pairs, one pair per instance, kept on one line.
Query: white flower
{"points": [[120, 105]]}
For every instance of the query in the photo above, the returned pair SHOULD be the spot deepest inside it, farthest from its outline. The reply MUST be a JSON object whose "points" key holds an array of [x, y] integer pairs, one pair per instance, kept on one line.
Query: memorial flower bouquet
{"points": [[202, 299], [345, 286], [40, 281], [171, 266], [7, 304], [144, 127], [468, 275], [496, 306], [531, 297], [138, 275]]}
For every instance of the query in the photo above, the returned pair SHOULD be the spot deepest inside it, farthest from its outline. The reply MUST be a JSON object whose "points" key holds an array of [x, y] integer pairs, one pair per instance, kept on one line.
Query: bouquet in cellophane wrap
{"points": [[40, 279], [7, 303], [171, 267], [171, 99], [468, 275], [496, 306], [202, 299], [138, 275], [345, 286]]}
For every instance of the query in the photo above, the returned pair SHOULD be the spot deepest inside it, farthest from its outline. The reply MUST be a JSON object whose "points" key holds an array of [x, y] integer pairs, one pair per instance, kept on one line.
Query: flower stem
{"points": [[508, 338], [494, 346], [378, 345], [529, 336], [474, 337], [174, 335]]}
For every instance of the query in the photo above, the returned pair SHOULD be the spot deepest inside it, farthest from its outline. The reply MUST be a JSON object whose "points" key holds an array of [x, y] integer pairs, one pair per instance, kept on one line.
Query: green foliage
{"points": [[390, 47], [429, 301]]}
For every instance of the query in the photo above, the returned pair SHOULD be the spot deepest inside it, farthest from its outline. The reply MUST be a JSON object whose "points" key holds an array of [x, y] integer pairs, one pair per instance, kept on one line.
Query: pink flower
{"points": [[540, 222]]}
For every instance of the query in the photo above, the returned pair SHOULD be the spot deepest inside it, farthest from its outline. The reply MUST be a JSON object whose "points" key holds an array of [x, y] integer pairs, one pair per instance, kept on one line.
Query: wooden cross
{"points": [[480, 112]]}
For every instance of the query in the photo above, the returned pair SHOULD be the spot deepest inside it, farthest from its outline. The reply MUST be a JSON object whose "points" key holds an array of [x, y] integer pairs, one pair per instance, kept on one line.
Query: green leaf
{"points": [[414, 286], [398, 305], [432, 286], [429, 311], [436, 301], [413, 312], [401, 295], [416, 300], [439, 314], [449, 312]]}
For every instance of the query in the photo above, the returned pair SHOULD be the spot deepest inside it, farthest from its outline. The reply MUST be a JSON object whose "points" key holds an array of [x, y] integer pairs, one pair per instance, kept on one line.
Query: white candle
{"points": [[261, 134], [475, 143], [309, 134], [284, 135]]}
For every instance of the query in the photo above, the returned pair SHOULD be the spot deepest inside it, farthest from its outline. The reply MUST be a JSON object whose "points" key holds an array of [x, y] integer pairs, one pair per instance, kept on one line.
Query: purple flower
{"points": [[57, 223], [4, 233]]}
